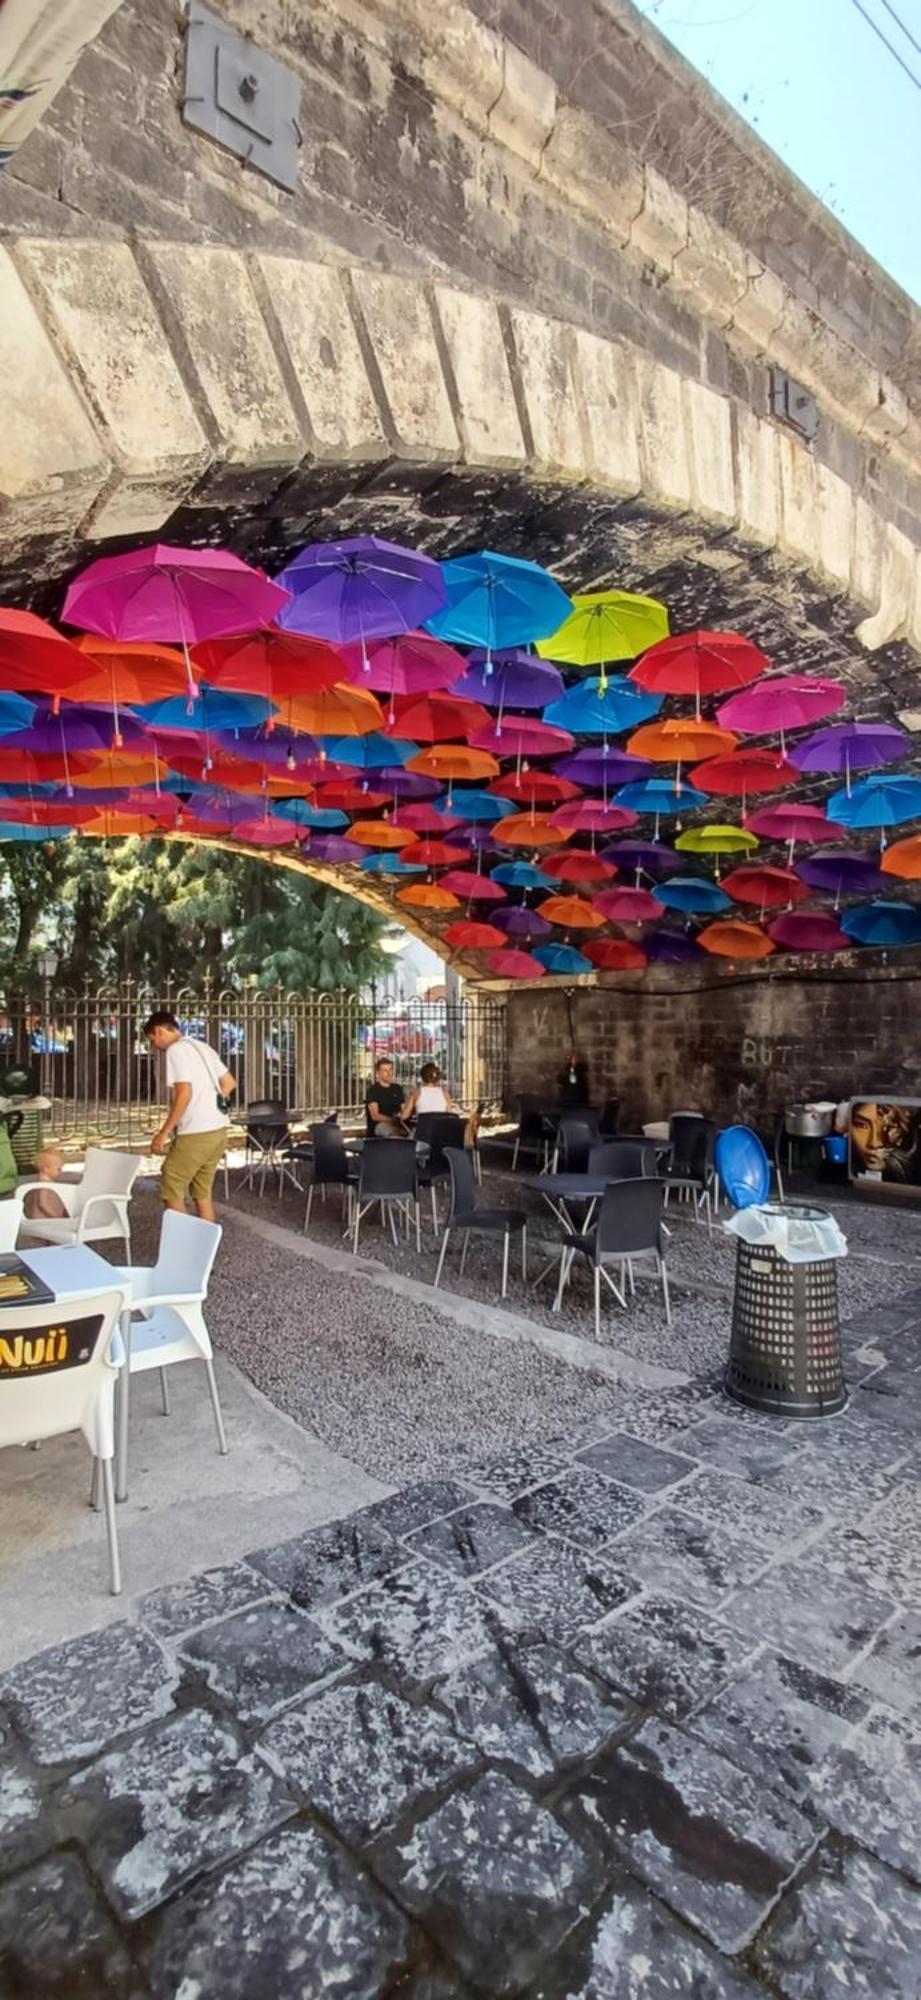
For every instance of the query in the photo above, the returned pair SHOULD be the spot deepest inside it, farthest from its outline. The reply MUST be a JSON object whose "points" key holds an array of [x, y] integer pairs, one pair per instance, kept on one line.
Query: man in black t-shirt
{"points": [[383, 1103]]}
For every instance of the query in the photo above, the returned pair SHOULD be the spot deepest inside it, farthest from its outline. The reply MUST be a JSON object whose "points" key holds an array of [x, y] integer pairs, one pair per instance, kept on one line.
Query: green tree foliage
{"points": [[152, 909]]}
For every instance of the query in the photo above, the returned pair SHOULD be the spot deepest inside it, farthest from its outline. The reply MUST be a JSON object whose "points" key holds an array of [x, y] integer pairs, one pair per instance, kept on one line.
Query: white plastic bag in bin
{"points": [[799, 1234]]}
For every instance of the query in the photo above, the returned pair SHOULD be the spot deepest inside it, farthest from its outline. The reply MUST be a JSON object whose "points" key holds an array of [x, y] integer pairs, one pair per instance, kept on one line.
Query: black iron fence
{"points": [[315, 1052]]}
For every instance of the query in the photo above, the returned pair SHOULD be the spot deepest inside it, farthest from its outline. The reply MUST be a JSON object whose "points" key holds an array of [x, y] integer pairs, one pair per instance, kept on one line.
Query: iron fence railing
{"points": [[315, 1052]]}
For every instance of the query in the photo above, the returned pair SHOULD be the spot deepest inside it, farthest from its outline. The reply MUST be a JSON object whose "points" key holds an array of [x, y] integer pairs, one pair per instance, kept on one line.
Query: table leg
{"points": [[122, 1412]]}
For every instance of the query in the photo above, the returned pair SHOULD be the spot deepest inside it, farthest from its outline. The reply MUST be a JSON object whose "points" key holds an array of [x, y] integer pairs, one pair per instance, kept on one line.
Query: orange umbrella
{"points": [[453, 760], [434, 854], [771, 888], [380, 833], [903, 858], [615, 955], [731, 938], [335, 711], [112, 825], [680, 740], [125, 672], [428, 896], [573, 912], [529, 830]]}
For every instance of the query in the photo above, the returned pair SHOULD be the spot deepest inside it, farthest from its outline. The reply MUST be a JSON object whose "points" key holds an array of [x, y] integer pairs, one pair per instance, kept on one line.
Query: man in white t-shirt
{"points": [[193, 1135]]}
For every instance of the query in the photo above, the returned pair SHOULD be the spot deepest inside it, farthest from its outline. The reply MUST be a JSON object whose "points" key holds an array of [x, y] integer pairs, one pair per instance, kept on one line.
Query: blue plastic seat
{"points": [[743, 1166]]}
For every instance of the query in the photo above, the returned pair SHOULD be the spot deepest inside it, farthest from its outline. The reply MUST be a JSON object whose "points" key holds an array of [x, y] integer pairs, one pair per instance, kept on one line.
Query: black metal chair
{"points": [[690, 1168], [531, 1134], [387, 1174], [624, 1159], [331, 1167], [628, 1225], [434, 1131], [464, 1214], [577, 1132], [270, 1144]]}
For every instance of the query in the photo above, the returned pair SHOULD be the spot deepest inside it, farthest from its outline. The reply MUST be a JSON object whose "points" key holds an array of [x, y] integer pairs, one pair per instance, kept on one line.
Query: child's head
{"points": [[430, 1073], [49, 1163]]}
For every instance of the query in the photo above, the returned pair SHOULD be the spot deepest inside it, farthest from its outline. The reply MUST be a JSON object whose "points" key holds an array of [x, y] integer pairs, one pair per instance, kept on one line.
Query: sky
{"points": [[819, 87]]}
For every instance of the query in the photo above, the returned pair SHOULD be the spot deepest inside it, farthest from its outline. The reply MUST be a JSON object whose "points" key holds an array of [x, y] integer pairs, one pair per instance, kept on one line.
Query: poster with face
{"points": [[885, 1140]]}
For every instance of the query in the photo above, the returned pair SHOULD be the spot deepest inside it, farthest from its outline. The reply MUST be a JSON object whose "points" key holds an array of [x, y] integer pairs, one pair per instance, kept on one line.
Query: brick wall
{"points": [[740, 1048]]}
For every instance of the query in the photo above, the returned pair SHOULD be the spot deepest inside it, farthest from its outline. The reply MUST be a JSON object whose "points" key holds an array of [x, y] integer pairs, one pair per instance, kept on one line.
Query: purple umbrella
{"points": [[513, 679], [846, 872], [648, 855], [807, 930], [406, 784], [334, 847], [670, 947], [850, 746], [79, 726], [358, 590], [520, 922], [602, 770]]}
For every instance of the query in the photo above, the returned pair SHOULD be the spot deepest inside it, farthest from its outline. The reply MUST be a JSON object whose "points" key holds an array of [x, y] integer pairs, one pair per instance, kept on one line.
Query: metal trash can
{"points": [[785, 1350]]}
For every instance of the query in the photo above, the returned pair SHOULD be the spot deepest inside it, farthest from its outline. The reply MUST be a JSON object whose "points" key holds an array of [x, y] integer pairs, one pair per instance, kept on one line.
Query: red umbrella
{"points": [[24, 767], [46, 812], [808, 930], [509, 964], [578, 867], [699, 663], [34, 658], [426, 818], [466, 935], [343, 797], [438, 718], [522, 736], [771, 888], [534, 788], [746, 771], [614, 955], [473, 887], [628, 906], [274, 663], [432, 854]]}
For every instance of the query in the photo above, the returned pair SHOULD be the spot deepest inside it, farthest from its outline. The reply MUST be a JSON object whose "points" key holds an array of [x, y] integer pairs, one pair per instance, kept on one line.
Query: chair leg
{"points": [[663, 1276], [108, 1494], [419, 1225], [94, 1487], [356, 1226], [122, 1413], [308, 1208], [505, 1244], [216, 1407], [597, 1301], [434, 1210], [444, 1245], [515, 1154], [164, 1392], [464, 1248], [524, 1253]]}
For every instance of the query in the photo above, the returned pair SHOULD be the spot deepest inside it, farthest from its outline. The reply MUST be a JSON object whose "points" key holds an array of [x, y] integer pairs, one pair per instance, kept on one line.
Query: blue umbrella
{"points": [[881, 802], [45, 788], [659, 796], [883, 924], [521, 875], [562, 958], [368, 753], [15, 713], [213, 709], [390, 864], [31, 835], [595, 709], [322, 819], [475, 806], [692, 893], [497, 602]]}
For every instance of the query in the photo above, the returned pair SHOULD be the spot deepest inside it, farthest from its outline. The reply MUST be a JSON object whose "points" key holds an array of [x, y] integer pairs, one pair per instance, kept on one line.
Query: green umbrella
{"points": [[606, 625], [716, 840]]}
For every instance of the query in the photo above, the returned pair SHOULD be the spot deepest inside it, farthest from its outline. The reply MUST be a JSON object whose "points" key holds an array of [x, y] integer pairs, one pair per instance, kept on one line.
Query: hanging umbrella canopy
{"points": [[593, 816], [846, 872], [680, 740], [743, 773], [260, 831], [388, 864], [446, 761], [439, 718], [14, 835], [532, 788], [521, 922], [473, 807], [15, 714], [406, 663], [46, 812], [210, 712], [903, 858], [641, 857], [508, 964], [18, 765], [615, 955], [76, 726], [319, 819], [334, 712], [606, 625], [522, 875], [787, 701], [527, 830], [180, 595], [627, 906], [603, 766], [334, 848], [110, 824], [353, 591], [426, 817], [881, 802], [125, 672], [661, 797], [792, 822], [670, 947], [692, 893], [380, 833], [403, 784], [850, 746], [346, 798], [716, 840], [562, 958], [465, 935], [579, 867], [34, 658], [883, 924], [427, 896], [731, 938], [496, 602], [590, 709], [472, 887], [435, 853], [521, 736], [512, 679], [373, 752], [808, 930], [699, 663], [770, 888], [279, 665]]}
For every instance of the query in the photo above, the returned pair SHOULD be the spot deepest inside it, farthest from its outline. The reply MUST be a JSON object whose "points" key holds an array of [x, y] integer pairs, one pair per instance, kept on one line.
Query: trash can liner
{"points": [[799, 1234]]}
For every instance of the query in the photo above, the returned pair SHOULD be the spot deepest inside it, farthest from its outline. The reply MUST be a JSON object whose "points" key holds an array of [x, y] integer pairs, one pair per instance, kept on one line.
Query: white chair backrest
{"points": [[106, 1173], [186, 1255], [10, 1221], [45, 1386]]}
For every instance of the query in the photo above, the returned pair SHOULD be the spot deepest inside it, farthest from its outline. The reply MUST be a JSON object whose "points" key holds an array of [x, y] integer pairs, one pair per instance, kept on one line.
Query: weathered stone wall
{"points": [[737, 1046], [549, 152]]}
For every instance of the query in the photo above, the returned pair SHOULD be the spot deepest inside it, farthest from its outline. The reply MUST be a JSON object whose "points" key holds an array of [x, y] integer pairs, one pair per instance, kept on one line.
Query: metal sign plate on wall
{"points": [[246, 100]]}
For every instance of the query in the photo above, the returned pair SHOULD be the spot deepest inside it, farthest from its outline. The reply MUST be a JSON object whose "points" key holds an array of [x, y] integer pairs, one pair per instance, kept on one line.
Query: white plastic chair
{"points": [[42, 1398], [10, 1221], [165, 1322], [96, 1204]]}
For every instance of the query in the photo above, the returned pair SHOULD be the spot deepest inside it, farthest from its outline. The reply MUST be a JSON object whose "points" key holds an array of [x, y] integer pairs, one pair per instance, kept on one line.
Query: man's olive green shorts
{"points": [[191, 1164]]}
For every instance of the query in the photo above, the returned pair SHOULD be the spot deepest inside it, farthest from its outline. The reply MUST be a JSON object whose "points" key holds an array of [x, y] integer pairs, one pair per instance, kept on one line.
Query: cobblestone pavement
{"points": [[626, 1713]]}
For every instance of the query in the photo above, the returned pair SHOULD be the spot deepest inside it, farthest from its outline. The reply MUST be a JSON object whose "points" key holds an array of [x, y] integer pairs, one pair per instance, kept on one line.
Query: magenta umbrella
{"points": [[792, 823], [791, 701], [807, 930], [521, 736], [410, 663], [508, 964], [163, 593], [473, 887], [593, 816]]}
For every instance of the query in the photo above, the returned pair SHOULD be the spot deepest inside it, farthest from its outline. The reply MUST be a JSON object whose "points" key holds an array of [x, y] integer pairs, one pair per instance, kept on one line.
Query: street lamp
{"points": [[47, 965]]}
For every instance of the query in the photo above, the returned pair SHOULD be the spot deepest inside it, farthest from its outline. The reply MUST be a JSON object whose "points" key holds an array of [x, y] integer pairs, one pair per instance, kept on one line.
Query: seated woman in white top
{"points": [[429, 1094]]}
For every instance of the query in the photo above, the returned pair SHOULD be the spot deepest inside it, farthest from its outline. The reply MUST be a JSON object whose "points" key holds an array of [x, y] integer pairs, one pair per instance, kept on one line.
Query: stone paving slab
{"points": [[63, 1700], [582, 1507], [555, 1591], [781, 1721], [181, 1607], [472, 1540], [259, 1660], [745, 1452], [329, 1563], [418, 1622], [850, 1927], [633, 1950], [59, 1941], [362, 1755], [803, 1609], [628, 1460], [516, 1470], [716, 1845], [891, 1671], [534, 1707], [20, 1802], [871, 1790], [674, 1554], [496, 1881], [772, 1520], [664, 1654], [416, 1506], [183, 1796], [885, 1552], [294, 1917]]}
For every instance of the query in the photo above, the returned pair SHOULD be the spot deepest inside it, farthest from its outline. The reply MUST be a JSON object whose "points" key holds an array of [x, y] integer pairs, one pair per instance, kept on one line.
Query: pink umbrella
{"points": [[791, 701], [808, 930], [793, 823], [628, 906], [521, 736], [163, 593], [410, 663], [593, 816], [473, 887], [425, 818], [509, 964]]}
